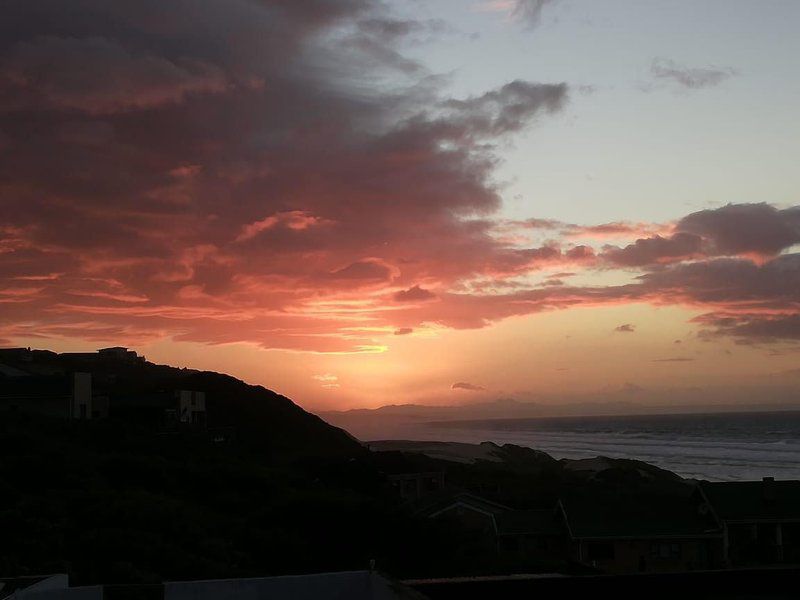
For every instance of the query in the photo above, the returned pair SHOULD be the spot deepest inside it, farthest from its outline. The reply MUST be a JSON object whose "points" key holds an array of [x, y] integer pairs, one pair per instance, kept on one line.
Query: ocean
{"points": [[717, 447]]}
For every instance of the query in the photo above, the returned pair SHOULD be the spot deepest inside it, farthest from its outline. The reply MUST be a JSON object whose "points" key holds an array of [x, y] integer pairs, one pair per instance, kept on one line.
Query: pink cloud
{"points": [[221, 193]]}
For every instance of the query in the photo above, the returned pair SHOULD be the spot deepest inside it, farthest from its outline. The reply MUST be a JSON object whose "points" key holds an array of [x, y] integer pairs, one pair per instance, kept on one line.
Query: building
{"points": [[119, 353], [471, 511], [350, 585], [115, 354], [519, 538], [525, 535], [64, 396], [760, 520], [191, 407], [166, 410], [641, 533], [413, 486]]}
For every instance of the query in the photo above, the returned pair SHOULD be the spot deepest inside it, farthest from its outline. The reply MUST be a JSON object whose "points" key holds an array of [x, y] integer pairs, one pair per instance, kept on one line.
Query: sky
{"points": [[359, 203]]}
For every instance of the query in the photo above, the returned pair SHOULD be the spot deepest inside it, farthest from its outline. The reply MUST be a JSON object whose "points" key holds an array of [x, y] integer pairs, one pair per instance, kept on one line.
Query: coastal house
{"points": [[64, 396], [641, 533], [114, 354], [760, 520], [524, 535], [519, 537], [165, 410], [119, 353], [467, 509], [413, 486]]}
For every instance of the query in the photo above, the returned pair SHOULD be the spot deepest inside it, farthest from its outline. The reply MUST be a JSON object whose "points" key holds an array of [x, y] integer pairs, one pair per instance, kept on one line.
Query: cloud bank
{"points": [[299, 184]]}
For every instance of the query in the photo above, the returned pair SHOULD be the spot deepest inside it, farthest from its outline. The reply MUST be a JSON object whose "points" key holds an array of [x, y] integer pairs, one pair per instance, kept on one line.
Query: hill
{"points": [[117, 499]]}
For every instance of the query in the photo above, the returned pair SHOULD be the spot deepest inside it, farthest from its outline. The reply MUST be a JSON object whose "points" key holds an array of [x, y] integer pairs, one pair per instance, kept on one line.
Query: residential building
{"points": [[520, 537], [413, 486], [760, 520], [641, 533], [65, 396], [166, 410]]}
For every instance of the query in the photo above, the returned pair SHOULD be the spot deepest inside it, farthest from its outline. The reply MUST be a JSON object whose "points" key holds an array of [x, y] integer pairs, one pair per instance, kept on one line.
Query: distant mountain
{"points": [[396, 421], [505, 408]]}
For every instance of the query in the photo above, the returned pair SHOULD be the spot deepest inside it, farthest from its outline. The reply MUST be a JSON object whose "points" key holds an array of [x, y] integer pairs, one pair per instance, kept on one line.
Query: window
{"points": [[665, 551]]}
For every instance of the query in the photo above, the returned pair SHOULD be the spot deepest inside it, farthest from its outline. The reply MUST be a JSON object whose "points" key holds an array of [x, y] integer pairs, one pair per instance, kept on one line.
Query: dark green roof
{"points": [[430, 505], [753, 500], [529, 522], [636, 517]]}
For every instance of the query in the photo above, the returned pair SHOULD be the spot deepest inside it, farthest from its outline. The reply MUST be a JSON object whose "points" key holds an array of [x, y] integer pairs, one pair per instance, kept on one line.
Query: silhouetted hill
{"points": [[117, 500], [262, 418]]}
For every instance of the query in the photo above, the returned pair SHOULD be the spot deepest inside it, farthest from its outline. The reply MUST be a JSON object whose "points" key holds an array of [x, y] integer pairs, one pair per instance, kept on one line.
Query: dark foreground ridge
{"points": [[117, 471]]}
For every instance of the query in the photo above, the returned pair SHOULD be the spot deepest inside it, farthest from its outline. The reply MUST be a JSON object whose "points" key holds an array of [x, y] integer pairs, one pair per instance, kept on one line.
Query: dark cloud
{"points": [[98, 76], [755, 230], [369, 270], [237, 162], [159, 179], [507, 109], [470, 387], [414, 294], [688, 77], [403, 331], [753, 327], [736, 229], [626, 328], [772, 286], [649, 251]]}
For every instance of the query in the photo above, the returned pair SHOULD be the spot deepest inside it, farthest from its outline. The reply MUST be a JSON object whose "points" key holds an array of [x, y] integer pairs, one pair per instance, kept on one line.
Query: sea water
{"points": [[721, 447]]}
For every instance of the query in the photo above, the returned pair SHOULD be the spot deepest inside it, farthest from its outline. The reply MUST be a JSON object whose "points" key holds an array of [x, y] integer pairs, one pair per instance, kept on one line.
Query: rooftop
{"points": [[527, 522], [636, 517], [765, 500]]}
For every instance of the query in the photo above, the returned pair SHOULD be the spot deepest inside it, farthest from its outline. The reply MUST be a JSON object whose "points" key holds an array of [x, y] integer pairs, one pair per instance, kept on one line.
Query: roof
{"points": [[765, 500], [10, 585], [352, 585], [432, 505], [636, 517], [528, 522]]}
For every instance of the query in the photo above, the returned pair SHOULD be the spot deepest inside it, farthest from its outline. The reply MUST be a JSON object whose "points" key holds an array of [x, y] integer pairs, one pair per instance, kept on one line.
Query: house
{"points": [[519, 538], [760, 520], [633, 533], [114, 354], [523, 535], [65, 396], [413, 486], [191, 407], [119, 353], [167, 410], [469, 510]]}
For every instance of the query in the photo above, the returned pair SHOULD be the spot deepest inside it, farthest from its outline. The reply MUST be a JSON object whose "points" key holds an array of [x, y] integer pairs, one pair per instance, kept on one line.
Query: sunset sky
{"points": [[358, 203]]}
